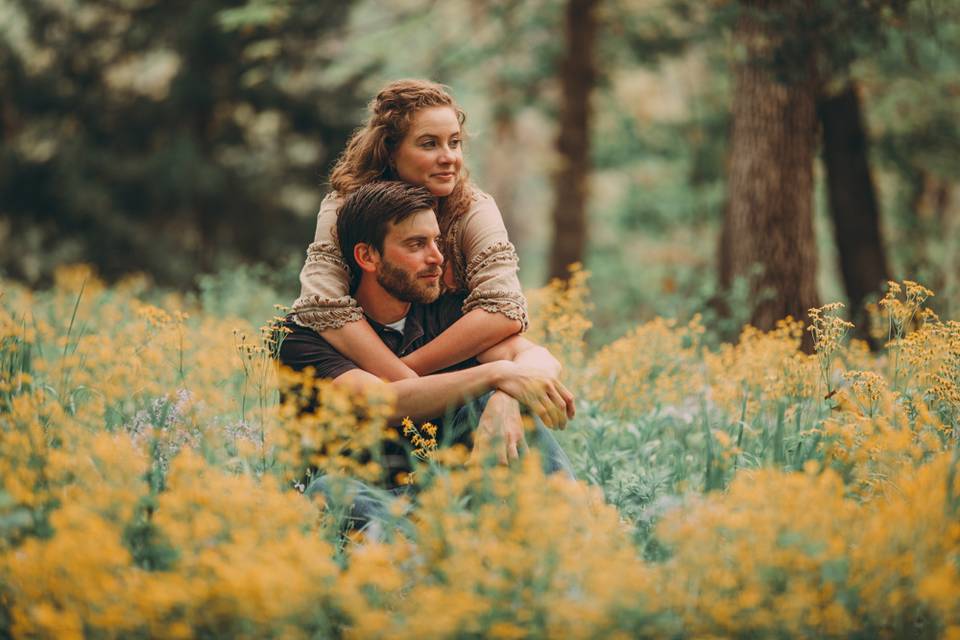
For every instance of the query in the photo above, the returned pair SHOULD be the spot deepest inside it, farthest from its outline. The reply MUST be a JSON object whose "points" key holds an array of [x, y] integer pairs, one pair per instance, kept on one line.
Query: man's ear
{"points": [[366, 256]]}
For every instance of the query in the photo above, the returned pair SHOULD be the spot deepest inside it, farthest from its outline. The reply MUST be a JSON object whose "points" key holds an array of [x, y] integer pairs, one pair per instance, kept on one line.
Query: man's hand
{"points": [[499, 431], [542, 392]]}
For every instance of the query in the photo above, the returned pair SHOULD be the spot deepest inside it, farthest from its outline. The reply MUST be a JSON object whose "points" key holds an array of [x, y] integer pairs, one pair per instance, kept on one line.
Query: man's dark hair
{"points": [[365, 214]]}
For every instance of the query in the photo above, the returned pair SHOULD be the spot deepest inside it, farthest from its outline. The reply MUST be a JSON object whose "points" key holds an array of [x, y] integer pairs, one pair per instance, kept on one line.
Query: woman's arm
{"points": [[359, 342], [477, 331]]}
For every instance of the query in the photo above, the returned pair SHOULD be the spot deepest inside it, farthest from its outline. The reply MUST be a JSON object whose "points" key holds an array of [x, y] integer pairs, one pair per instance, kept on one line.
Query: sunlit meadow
{"points": [[152, 484]]}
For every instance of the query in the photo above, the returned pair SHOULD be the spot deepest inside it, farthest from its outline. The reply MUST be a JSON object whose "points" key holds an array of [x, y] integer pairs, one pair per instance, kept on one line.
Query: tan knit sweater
{"points": [[476, 244]]}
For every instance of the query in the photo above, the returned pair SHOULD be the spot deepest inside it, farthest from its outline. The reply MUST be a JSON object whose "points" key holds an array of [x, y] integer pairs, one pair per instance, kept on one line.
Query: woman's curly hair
{"points": [[367, 156]]}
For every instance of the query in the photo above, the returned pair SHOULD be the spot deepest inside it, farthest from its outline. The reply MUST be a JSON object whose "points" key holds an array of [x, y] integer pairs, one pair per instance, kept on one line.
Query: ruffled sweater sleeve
{"points": [[486, 263], [325, 301]]}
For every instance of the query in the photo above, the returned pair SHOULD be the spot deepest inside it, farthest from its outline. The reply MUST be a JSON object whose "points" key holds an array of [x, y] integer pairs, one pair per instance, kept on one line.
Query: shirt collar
{"points": [[412, 330]]}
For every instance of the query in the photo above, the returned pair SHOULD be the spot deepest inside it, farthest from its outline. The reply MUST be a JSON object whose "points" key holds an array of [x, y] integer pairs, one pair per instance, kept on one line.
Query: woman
{"points": [[415, 134]]}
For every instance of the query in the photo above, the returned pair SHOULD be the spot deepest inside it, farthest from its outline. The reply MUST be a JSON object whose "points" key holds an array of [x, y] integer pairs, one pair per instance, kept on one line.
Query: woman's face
{"points": [[430, 154]]}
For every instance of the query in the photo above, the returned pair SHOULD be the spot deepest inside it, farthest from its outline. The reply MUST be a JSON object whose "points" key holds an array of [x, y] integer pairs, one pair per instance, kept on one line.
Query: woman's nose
{"points": [[447, 155]]}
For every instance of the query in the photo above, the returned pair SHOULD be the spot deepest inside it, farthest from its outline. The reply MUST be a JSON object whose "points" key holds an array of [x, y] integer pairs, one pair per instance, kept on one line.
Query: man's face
{"points": [[411, 264]]}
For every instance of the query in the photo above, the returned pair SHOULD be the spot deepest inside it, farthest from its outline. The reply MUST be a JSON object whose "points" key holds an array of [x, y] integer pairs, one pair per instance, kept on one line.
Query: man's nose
{"points": [[434, 255]]}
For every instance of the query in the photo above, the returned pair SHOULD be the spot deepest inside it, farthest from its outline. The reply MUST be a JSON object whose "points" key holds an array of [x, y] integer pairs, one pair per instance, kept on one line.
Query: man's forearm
{"points": [[431, 396]]}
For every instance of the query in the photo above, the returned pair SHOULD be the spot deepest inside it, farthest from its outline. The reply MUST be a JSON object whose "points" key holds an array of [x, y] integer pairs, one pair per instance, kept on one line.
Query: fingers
{"points": [[507, 442], [501, 446], [485, 443], [568, 400], [476, 455], [558, 408], [549, 405], [542, 408]]}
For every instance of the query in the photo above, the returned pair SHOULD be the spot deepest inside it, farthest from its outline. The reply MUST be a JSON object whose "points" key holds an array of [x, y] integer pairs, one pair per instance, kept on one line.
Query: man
{"points": [[388, 235]]}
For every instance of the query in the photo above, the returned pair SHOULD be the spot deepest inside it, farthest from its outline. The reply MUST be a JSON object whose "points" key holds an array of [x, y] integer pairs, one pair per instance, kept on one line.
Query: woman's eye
{"points": [[454, 144], [429, 144]]}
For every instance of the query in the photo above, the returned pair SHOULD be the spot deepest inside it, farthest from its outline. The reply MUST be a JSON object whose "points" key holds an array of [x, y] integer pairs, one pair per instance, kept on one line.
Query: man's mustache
{"points": [[430, 272]]}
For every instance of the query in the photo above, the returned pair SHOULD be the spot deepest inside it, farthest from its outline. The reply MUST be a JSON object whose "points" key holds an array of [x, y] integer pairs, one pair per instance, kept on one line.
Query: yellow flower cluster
{"points": [[656, 364], [752, 379], [559, 316], [214, 553], [326, 429], [902, 313], [503, 553], [828, 330], [425, 446], [790, 555]]}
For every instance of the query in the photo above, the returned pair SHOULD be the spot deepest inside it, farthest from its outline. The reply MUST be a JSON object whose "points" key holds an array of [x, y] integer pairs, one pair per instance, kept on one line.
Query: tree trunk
{"points": [[853, 202], [768, 221], [573, 143], [501, 179]]}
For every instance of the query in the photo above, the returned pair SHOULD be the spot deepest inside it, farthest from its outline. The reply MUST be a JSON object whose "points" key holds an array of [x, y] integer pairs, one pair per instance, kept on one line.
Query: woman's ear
{"points": [[366, 256]]}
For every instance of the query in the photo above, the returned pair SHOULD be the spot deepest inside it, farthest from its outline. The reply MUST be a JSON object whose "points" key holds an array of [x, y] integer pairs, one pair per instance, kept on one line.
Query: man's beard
{"points": [[402, 286]]}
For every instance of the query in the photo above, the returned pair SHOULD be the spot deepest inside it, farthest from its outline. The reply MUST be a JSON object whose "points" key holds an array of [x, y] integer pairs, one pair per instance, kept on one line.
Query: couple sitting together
{"points": [[411, 281]]}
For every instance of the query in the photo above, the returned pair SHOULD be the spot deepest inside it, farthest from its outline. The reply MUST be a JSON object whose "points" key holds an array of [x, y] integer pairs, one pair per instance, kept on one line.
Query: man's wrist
{"points": [[501, 397], [501, 370]]}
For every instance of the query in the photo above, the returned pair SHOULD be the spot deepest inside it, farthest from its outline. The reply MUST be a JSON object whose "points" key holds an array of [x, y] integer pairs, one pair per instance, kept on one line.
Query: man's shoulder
{"points": [[303, 347]]}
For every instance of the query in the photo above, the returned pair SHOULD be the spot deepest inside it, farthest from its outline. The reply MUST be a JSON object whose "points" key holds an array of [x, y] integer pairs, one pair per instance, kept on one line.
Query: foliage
{"points": [[174, 138], [142, 495]]}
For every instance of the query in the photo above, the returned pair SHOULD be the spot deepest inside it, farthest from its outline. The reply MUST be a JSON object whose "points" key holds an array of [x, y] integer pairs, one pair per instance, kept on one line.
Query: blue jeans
{"points": [[368, 508]]}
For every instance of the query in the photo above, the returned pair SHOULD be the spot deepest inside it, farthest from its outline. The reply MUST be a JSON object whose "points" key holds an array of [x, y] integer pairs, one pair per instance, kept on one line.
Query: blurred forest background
{"points": [[743, 159]]}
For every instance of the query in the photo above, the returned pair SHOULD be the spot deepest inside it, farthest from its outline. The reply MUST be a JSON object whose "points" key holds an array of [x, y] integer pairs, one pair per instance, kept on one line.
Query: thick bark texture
{"points": [[578, 77], [768, 221], [853, 202]]}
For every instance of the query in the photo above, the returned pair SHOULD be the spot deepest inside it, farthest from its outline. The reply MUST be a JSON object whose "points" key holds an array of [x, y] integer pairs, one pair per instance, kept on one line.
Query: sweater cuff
{"points": [[320, 314], [510, 303]]}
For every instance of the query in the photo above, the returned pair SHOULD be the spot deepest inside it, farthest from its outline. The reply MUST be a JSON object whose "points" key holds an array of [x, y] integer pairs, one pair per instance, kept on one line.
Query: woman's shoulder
{"points": [[331, 199], [478, 195], [481, 224], [482, 205]]}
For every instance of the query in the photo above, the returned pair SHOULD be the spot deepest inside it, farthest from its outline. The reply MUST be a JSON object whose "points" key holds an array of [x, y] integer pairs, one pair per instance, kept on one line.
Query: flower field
{"points": [[151, 484]]}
